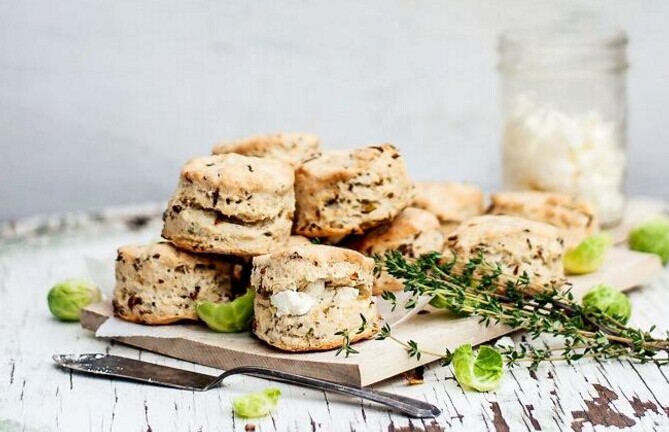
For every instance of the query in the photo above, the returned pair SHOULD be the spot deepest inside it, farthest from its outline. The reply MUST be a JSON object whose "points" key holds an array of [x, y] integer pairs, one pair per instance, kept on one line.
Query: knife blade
{"points": [[135, 370]]}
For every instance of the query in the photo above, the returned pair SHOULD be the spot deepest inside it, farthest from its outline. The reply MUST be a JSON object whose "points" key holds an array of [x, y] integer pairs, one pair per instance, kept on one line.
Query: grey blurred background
{"points": [[101, 102]]}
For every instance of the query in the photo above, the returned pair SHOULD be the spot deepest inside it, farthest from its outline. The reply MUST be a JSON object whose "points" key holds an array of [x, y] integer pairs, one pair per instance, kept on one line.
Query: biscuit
{"points": [[248, 188], [413, 232], [297, 240], [231, 204], [159, 284], [451, 202], [349, 192], [516, 244], [292, 148], [207, 231], [306, 294], [575, 219]]}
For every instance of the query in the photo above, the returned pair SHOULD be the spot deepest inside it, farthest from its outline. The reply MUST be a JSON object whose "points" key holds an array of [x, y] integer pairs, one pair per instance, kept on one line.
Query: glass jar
{"points": [[564, 108]]}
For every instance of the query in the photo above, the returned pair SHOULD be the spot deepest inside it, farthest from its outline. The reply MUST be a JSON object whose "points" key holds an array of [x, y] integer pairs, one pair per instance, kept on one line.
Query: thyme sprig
{"points": [[346, 347], [481, 288]]}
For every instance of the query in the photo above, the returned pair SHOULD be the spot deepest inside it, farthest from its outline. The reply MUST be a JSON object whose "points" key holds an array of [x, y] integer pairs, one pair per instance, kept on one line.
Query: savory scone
{"points": [[307, 294], [516, 244], [451, 202], [160, 284], [576, 219], [292, 148], [413, 232], [297, 240], [231, 204], [349, 192]]}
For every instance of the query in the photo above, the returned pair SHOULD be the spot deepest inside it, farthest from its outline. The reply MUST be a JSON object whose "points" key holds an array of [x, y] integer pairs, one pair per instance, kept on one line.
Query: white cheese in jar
{"points": [[549, 150]]}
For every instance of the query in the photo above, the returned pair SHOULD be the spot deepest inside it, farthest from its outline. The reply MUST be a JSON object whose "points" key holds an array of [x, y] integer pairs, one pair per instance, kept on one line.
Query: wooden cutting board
{"points": [[378, 360]]}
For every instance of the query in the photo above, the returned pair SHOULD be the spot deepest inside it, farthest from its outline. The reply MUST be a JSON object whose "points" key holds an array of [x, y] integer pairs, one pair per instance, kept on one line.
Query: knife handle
{"points": [[406, 405]]}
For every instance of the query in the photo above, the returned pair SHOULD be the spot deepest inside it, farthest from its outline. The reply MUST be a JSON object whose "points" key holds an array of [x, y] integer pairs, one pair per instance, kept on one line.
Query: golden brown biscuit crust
{"points": [[451, 202], [231, 204], [349, 192], [518, 245], [289, 147], [368, 333], [160, 284], [413, 232], [576, 219], [326, 275]]}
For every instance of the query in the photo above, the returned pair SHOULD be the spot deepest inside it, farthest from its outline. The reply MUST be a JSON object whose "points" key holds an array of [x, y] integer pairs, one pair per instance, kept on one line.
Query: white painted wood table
{"points": [[37, 396]]}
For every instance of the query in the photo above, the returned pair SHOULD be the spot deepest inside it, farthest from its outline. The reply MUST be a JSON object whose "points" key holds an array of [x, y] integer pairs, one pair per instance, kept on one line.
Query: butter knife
{"points": [[137, 370]]}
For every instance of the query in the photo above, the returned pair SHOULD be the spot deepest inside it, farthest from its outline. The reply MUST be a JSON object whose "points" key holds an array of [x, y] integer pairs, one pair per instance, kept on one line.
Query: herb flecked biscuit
{"points": [[413, 232], [306, 294], [231, 204], [576, 219], [292, 148], [518, 245], [349, 192], [159, 284], [451, 202], [297, 240]]}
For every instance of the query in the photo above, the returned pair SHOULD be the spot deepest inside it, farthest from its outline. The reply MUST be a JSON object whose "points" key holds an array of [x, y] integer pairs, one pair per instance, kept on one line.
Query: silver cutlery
{"points": [[137, 370]]}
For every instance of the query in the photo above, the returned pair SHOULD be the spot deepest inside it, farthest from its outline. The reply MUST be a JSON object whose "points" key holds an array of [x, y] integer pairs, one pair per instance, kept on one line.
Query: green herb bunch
{"points": [[480, 288]]}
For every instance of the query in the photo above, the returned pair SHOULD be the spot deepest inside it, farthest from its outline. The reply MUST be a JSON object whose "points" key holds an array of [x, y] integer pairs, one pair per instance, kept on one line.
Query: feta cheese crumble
{"points": [[292, 303], [346, 294]]}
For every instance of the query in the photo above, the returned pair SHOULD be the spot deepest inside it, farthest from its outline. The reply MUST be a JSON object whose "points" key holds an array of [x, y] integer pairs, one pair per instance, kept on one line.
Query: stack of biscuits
{"points": [[249, 214], [300, 226], [227, 208]]}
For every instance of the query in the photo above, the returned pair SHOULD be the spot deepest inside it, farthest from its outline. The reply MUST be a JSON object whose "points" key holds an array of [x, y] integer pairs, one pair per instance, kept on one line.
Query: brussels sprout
{"points": [[439, 303], [481, 373], [231, 317], [256, 404], [610, 301], [588, 256], [652, 237], [67, 298]]}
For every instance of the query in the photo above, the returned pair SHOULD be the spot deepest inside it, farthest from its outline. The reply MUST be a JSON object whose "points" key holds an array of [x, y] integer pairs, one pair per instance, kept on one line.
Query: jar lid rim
{"points": [[570, 36]]}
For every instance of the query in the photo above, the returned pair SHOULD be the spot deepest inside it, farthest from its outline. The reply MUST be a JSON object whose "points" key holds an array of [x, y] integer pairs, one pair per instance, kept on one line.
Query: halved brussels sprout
{"points": [[230, 317], [481, 373], [588, 256], [256, 404], [66, 299], [609, 301], [652, 237]]}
